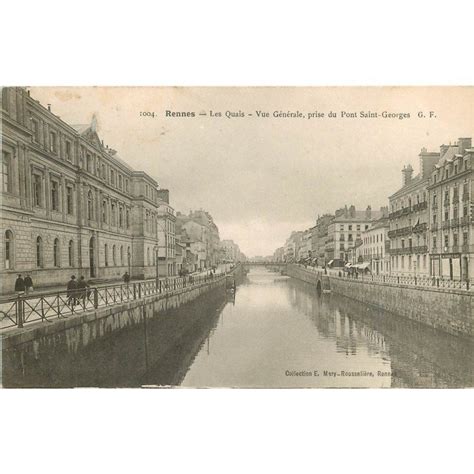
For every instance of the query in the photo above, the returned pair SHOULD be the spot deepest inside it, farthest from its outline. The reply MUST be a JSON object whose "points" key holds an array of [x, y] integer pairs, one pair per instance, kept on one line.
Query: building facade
{"points": [[409, 217], [70, 205], [346, 228], [375, 247], [451, 212]]}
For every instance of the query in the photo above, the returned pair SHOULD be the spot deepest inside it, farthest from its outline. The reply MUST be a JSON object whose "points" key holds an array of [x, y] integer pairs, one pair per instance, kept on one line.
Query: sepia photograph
{"points": [[237, 237]]}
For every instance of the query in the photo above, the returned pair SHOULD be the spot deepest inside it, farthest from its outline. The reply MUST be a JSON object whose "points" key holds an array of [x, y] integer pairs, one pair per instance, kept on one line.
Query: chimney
{"points": [[368, 213], [464, 144], [352, 211], [346, 212], [49, 107], [442, 150], [407, 173]]}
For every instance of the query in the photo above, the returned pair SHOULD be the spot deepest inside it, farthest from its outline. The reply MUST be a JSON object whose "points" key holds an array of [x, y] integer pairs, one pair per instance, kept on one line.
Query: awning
{"points": [[330, 261], [362, 266], [315, 260], [348, 265]]}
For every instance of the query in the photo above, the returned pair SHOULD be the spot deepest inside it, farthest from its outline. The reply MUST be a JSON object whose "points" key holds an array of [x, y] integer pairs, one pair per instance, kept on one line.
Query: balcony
{"points": [[420, 249], [434, 226], [455, 249], [406, 211], [421, 206], [446, 203], [400, 232], [465, 197], [455, 198], [465, 220], [445, 224], [455, 222], [420, 228], [434, 206]]}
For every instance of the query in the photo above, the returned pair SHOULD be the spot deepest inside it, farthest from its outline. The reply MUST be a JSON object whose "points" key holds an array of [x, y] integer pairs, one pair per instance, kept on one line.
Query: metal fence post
{"points": [[96, 298], [20, 308]]}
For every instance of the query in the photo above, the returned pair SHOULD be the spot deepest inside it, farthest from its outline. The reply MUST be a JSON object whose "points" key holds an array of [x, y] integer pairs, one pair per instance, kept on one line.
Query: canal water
{"points": [[280, 333], [274, 331]]}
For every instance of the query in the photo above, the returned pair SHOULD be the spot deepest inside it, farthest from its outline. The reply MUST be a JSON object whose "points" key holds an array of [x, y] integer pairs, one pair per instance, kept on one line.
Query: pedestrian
{"points": [[72, 291], [28, 284], [82, 290], [126, 278], [19, 285]]}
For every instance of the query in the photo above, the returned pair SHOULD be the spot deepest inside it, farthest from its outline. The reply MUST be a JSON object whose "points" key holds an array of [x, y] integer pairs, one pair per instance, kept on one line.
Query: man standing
{"points": [[28, 284], [71, 291], [126, 278], [19, 285], [82, 290]]}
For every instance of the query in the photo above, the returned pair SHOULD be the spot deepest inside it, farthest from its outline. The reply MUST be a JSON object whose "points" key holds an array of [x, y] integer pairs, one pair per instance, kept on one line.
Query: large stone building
{"points": [[320, 236], [409, 219], [231, 252], [375, 247], [347, 227], [70, 205], [451, 213], [199, 226]]}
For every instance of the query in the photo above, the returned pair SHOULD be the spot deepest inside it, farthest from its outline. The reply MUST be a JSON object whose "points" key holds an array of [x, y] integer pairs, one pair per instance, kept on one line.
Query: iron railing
{"points": [[406, 280], [24, 309]]}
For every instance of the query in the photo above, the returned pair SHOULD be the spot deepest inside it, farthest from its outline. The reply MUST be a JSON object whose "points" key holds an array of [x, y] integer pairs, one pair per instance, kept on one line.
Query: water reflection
{"points": [[280, 333], [272, 332]]}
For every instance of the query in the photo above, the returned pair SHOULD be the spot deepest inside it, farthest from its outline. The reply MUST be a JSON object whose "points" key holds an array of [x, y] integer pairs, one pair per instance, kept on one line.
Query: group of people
{"points": [[77, 291], [23, 285]]}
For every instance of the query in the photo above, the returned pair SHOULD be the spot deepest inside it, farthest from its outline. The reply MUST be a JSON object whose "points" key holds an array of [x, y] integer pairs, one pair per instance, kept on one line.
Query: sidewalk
{"points": [[57, 288]]}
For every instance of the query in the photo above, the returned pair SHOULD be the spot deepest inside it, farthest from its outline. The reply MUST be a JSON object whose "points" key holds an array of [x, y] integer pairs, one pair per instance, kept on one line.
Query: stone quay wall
{"points": [[449, 310], [79, 330]]}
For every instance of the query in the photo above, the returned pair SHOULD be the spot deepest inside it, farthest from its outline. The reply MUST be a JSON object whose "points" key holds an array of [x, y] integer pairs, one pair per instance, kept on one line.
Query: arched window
{"points": [[127, 218], [114, 257], [39, 252], [106, 255], [129, 256], [121, 255], [71, 253], [120, 217], [8, 250], [56, 253], [148, 255], [90, 205]]}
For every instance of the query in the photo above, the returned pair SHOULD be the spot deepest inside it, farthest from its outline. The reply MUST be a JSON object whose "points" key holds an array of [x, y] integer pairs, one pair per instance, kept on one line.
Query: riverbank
{"points": [[449, 310]]}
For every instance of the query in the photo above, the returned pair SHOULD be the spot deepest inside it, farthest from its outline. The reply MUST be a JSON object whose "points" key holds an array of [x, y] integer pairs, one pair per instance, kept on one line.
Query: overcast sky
{"points": [[261, 178]]}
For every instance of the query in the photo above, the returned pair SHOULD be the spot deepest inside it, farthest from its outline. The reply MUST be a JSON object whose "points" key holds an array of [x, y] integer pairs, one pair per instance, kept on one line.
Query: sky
{"points": [[263, 177]]}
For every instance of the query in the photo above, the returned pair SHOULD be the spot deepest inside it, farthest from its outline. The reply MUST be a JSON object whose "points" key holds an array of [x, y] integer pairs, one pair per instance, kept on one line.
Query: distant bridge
{"points": [[279, 264]]}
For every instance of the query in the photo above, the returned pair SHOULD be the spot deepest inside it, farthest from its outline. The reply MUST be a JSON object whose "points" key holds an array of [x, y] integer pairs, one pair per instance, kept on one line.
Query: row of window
{"points": [[455, 193], [118, 255], [350, 226], [412, 263], [447, 240], [455, 214], [407, 202], [372, 239], [451, 169]]}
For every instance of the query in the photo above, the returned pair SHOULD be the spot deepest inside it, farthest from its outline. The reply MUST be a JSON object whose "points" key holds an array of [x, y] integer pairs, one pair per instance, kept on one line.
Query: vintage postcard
{"points": [[249, 237]]}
